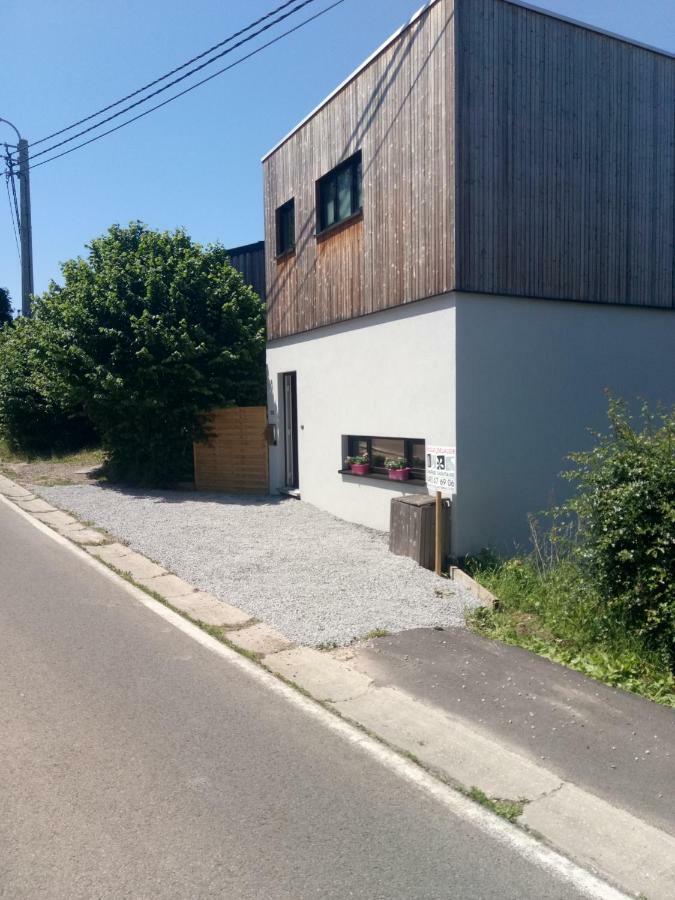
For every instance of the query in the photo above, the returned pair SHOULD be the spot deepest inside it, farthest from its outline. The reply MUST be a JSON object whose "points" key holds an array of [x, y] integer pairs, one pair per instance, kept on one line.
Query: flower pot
{"points": [[360, 468], [399, 474]]}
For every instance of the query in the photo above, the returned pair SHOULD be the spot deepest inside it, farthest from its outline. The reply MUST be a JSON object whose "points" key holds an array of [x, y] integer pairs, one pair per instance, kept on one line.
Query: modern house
{"points": [[469, 241]]}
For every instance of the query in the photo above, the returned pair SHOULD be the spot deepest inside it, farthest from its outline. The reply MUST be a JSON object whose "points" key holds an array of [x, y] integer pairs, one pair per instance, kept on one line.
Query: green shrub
{"points": [[158, 330], [597, 591], [39, 415], [625, 503]]}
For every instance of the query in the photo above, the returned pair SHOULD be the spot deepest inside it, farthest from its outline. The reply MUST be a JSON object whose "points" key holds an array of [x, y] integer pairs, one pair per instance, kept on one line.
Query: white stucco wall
{"points": [[390, 374], [514, 384], [531, 376]]}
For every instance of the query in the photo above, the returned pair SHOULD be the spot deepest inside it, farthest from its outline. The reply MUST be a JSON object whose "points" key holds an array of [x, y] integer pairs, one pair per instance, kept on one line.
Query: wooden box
{"points": [[412, 529]]}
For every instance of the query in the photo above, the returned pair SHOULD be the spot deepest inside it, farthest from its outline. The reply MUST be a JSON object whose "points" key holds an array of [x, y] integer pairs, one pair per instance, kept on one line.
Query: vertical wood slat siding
{"points": [[561, 166], [399, 112], [250, 261], [235, 458], [565, 159]]}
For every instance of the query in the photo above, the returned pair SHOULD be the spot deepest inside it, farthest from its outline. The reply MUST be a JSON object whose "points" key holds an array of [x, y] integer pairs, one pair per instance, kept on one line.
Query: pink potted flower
{"points": [[397, 468], [360, 465]]}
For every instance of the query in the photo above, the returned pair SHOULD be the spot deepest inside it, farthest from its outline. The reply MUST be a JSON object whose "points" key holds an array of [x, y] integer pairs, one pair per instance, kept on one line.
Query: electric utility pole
{"points": [[25, 227]]}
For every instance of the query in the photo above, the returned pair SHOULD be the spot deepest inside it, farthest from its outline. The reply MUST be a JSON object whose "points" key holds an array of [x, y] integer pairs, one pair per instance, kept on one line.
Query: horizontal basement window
{"points": [[379, 449]]}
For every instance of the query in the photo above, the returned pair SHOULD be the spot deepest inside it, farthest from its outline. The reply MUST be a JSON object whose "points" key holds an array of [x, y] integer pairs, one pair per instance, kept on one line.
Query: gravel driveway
{"points": [[317, 579]]}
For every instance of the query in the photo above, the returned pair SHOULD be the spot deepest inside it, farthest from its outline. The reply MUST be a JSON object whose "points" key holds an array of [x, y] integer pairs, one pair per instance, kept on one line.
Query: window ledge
{"points": [[377, 476], [280, 257], [339, 226]]}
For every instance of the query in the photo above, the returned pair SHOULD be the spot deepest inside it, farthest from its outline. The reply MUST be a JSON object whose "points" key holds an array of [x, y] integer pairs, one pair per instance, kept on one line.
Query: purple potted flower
{"points": [[360, 465], [397, 468]]}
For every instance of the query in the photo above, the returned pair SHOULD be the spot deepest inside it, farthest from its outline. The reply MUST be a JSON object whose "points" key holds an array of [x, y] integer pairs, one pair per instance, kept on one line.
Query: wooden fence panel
{"points": [[234, 460]]}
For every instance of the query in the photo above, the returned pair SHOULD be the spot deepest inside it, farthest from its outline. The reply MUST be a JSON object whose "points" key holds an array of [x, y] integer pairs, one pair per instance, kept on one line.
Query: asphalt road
{"points": [[136, 763]]}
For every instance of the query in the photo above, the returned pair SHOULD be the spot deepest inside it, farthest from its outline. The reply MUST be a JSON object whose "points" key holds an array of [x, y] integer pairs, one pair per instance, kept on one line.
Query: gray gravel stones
{"points": [[315, 578]]}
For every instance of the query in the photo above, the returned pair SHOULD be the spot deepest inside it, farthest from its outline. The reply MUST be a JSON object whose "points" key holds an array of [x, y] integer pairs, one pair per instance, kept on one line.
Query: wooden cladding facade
{"points": [[234, 459], [398, 112], [505, 151], [565, 160]]}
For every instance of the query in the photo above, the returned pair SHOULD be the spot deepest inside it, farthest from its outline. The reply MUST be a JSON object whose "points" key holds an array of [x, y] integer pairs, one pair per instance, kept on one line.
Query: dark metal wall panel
{"points": [[565, 160], [399, 111], [250, 261]]}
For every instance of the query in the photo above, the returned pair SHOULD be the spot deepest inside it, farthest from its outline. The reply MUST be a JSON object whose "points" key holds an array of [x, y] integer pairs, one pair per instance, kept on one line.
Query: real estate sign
{"points": [[441, 470]]}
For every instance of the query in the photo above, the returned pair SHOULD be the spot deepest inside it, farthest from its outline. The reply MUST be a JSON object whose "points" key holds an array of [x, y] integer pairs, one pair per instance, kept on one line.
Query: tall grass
{"points": [[547, 604], [85, 457]]}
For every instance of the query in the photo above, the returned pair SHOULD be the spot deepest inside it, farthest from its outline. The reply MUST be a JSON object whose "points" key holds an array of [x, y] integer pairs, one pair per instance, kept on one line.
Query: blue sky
{"points": [[195, 163]]}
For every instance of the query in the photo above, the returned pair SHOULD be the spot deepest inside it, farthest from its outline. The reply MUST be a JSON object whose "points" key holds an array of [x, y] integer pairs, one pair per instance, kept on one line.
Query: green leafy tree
{"points": [[153, 331], [625, 502], [39, 411], [5, 307]]}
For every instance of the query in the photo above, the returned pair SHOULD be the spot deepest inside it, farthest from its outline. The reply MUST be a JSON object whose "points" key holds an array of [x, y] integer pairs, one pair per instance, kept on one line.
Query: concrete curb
{"points": [[448, 745], [601, 838], [482, 594], [638, 855]]}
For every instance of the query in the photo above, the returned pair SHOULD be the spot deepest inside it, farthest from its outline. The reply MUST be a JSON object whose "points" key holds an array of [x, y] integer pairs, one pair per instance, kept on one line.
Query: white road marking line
{"points": [[529, 848]]}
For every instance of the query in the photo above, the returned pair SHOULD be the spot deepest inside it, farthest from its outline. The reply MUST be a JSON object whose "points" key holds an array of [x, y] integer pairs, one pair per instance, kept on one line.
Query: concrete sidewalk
{"points": [[592, 766], [612, 743]]}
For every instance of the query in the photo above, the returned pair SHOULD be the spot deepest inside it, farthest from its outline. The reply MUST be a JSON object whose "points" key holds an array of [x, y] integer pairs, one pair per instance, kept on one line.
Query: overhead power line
{"points": [[150, 84], [9, 176], [16, 202], [188, 74], [11, 213], [192, 86]]}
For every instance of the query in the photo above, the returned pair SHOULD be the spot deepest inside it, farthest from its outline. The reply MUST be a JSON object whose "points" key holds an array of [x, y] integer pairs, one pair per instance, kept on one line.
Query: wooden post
{"points": [[439, 528]]}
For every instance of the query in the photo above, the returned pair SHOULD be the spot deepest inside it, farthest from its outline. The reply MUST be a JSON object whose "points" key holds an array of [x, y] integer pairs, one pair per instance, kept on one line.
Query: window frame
{"points": [[416, 473], [354, 164], [281, 252]]}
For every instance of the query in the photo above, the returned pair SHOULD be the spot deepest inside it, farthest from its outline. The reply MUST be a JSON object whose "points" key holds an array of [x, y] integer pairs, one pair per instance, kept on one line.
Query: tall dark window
{"points": [[339, 193], [380, 449], [286, 228]]}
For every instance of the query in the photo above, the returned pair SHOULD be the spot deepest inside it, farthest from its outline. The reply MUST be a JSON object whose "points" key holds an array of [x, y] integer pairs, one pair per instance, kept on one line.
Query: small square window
{"points": [[286, 228], [339, 193]]}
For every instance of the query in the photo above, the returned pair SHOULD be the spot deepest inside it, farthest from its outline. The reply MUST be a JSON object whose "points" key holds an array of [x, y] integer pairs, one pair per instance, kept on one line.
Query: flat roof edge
{"points": [[420, 12], [594, 28], [343, 84], [247, 248]]}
